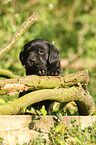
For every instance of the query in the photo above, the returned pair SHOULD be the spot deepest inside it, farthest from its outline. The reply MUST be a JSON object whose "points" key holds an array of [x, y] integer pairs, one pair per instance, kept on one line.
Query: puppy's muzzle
{"points": [[33, 61]]}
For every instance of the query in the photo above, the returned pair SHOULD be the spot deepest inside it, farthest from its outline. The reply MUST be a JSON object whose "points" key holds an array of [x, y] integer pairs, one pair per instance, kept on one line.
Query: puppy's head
{"points": [[36, 55]]}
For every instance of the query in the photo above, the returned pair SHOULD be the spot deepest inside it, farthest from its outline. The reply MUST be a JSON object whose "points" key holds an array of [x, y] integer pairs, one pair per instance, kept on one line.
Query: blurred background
{"points": [[70, 24]]}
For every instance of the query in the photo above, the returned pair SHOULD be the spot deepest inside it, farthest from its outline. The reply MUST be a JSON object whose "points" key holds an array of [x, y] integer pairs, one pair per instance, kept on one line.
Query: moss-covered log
{"points": [[84, 101], [34, 82]]}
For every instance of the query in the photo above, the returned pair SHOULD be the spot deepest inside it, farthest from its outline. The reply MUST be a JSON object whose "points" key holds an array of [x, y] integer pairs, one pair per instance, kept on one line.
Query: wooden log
{"points": [[84, 101], [58, 88], [34, 82]]}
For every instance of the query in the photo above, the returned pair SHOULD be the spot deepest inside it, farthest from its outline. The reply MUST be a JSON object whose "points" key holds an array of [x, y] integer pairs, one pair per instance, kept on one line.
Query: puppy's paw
{"points": [[42, 72], [55, 73]]}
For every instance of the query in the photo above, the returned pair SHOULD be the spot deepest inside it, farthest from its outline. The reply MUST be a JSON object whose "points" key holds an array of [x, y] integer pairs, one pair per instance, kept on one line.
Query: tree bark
{"points": [[34, 82], [63, 88], [83, 100]]}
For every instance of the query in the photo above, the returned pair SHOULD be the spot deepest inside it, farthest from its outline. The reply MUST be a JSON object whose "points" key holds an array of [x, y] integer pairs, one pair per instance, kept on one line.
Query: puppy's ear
{"points": [[53, 54], [21, 57]]}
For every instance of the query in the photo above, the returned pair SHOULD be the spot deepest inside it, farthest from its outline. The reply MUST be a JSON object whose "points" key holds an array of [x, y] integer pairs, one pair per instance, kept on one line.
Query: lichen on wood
{"points": [[63, 88], [83, 100], [34, 82]]}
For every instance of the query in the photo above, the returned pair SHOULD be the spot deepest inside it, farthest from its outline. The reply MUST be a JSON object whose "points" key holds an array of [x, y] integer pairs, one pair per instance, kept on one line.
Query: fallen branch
{"points": [[34, 82], [7, 74], [83, 100], [28, 22]]}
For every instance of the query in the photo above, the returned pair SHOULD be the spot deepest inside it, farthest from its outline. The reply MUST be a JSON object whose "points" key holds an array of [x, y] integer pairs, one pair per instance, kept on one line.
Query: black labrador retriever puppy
{"points": [[41, 58]]}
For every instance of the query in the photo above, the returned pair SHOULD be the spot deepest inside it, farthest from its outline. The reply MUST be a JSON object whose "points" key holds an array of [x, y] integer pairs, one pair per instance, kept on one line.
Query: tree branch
{"points": [[34, 82], [28, 22], [7, 74], [84, 101]]}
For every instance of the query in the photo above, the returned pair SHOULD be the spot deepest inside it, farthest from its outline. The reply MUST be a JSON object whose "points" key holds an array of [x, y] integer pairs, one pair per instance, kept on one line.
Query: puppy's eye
{"points": [[41, 51]]}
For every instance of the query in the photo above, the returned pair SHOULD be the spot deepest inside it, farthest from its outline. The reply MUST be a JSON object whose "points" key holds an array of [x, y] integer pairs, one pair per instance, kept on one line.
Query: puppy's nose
{"points": [[32, 60]]}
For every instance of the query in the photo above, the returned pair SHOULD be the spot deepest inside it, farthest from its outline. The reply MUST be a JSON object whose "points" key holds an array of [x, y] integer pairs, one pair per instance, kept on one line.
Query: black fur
{"points": [[40, 58]]}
